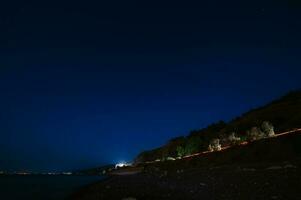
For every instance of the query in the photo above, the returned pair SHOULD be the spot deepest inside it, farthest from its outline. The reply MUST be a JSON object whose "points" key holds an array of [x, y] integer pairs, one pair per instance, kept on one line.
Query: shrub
{"points": [[268, 129], [233, 140], [180, 151], [214, 145], [210, 148], [255, 134], [192, 145], [170, 158]]}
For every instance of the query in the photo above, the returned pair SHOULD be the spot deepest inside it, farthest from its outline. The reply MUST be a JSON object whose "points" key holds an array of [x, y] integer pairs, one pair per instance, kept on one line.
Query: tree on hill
{"points": [[255, 134], [180, 151], [215, 145], [268, 129], [233, 140], [192, 145]]}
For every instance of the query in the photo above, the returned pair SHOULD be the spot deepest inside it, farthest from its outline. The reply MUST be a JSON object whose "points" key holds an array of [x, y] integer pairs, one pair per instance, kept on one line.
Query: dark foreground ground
{"points": [[260, 181]]}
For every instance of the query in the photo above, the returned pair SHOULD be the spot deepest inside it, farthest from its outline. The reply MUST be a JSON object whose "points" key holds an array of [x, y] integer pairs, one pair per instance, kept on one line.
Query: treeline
{"points": [[284, 114]]}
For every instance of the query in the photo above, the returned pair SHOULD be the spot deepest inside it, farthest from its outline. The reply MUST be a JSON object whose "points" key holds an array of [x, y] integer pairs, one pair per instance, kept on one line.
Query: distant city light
{"points": [[67, 173]]}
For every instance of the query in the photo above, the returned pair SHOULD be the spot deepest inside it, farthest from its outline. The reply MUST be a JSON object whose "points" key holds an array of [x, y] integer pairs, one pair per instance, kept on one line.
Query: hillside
{"points": [[286, 148], [284, 113], [264, 169]]}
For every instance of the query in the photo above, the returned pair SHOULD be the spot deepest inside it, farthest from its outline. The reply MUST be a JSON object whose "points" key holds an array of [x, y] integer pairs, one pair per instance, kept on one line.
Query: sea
{"points": [[42, 187]]}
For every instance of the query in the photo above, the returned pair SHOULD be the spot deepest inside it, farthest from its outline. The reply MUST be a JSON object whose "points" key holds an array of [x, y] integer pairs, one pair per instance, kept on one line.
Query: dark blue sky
{"points": [[87, 83]]}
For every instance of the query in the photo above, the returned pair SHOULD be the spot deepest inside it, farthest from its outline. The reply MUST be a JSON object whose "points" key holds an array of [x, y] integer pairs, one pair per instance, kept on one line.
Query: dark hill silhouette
{"points": [[284, 113], [265, 152]]}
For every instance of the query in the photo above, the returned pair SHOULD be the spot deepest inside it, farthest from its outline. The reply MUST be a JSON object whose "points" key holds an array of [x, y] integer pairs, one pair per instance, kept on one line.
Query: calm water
{"points": [[42, 187]]}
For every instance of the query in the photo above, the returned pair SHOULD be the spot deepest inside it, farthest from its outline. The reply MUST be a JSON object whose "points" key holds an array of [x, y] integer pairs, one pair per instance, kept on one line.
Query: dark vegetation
{"points": [[266, 152], [284, 114]]}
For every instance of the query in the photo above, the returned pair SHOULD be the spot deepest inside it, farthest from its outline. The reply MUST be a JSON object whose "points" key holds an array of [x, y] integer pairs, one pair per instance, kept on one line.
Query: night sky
{"points": [[89, 83]]}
